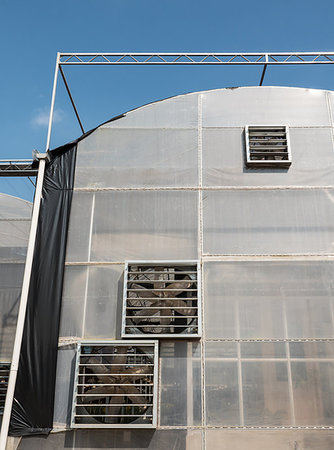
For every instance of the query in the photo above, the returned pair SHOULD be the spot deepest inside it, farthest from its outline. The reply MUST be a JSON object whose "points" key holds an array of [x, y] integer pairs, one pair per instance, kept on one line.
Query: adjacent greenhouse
{"points": [[197, 305]]}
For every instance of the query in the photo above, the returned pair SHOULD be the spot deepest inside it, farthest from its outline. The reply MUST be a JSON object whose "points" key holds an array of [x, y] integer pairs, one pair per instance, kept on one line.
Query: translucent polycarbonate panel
{"points": [[268, 221], [224, 159], [221, 388], [265, 106], [265, 388], [322, 350], [73, 301], [11, 276], [149, 225], [64, 386], [313, 392], [237, 302], [274, 439], [175, 112], [79, 231], [14, 236], [54, 441], [263, 350], [104, 302], [269, 299], [113, 157], [180, 398], [310, 317], [14, 208], [223, 350], [138, 439]]}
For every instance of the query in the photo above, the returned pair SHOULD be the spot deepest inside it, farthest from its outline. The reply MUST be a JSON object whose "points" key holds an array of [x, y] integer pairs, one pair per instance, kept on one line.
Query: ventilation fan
{"points": [[161, 300], [115, 385], [267, 146]]}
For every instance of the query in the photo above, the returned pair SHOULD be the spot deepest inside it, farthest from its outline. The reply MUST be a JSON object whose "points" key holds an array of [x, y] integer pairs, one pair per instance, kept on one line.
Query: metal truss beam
{"points": [[17, 168], [196, 58], [237, 59]]}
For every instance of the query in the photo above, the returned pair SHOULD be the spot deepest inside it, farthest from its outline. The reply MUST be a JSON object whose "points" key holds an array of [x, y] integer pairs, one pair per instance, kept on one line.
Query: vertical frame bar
{"points": [[23, 303], [53, 98]]}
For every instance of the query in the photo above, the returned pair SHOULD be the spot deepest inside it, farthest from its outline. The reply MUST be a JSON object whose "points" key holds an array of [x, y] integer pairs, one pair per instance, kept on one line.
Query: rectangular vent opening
{"points": [[115, 385], [267, 146], [161, 300], [4, 377]]}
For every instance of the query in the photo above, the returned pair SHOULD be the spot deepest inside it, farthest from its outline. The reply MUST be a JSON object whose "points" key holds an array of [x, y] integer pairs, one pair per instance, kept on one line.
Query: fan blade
{"points": [[97, 365], [147, 312], [114, 410], [144, 293], [122, 350], [99, 392], [140, 371], [181, 285], [132, 393], [181, 304]]}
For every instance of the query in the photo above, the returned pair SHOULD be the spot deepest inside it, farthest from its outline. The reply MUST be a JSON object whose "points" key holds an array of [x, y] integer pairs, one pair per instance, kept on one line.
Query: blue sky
{"points": [[32, 33]]}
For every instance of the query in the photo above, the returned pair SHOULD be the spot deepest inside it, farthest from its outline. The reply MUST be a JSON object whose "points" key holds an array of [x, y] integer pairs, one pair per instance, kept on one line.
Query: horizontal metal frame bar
{"points": [[114, 415], [17, 168], [279, 58]]}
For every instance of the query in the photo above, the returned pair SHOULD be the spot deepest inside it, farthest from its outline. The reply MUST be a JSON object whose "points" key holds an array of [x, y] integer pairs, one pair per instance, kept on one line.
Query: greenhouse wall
{"points": [[168, 182], [15, 215]]}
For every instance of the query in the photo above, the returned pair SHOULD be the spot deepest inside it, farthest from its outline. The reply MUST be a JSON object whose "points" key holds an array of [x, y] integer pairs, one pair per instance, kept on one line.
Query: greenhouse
{"points": [[182, 291]]}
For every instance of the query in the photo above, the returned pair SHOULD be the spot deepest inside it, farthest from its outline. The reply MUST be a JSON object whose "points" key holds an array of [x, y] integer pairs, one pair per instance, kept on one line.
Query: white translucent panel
{"points": [[269, 299], [265, 106], [263, 350], [14, 236], [138, 439], [11, 276], [78, 238], [268, 221], [310, 317], [269, 439], [176, 112], [14, 208], [241, 302], [54, 441], [137, 157], [221, 389], [132, 225], [313, 392], [223, 350], [180, 399], [104, 300], [323, 350], [73, 301], [265, 390], [64, 386], [224, 159]]}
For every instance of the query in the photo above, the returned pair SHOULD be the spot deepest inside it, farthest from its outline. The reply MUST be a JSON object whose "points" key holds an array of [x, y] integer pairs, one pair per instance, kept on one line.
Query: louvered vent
{"points": [[115, 385], [161, 300], [4, 376], [267, 146]]}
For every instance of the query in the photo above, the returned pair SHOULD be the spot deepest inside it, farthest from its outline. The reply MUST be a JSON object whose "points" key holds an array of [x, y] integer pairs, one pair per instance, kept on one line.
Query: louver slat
{"points": [[267, 147], [4, 376], [115, 385], [161, 299]]}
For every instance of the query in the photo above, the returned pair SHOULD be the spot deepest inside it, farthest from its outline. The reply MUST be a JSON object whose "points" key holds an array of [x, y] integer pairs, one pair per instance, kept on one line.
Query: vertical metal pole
{"points": [[264, 70], [52, 102], [23, 303]]}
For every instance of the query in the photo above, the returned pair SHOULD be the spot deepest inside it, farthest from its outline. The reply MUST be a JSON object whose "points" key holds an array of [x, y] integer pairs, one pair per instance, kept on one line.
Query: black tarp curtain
{"points": [[32, 411]]}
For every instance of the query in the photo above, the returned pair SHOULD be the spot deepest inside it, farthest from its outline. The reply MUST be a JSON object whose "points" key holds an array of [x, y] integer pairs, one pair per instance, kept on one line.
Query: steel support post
{"points": [[23, 302], [54, 89]]}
